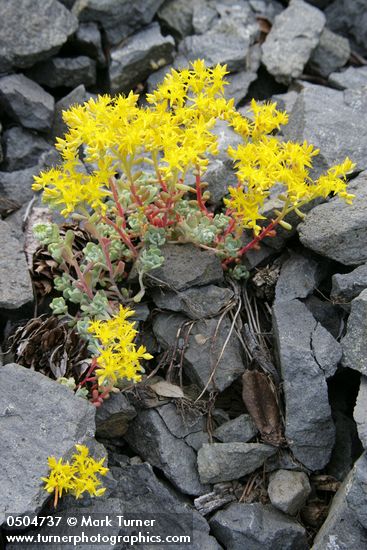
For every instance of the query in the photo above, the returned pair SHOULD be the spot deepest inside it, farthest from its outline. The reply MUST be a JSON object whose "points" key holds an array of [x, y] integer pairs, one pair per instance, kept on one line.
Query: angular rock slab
{"points": [[65, 71], [149, 436], [32, 30], [345, 526], [332, 53], [138, 57], [38, 418], [15, 283], [359, 413], [26, 102], [227, 461], [354, 343], [346, 286], [352, 77], [337, 230], [203, 352], [22, 148], [320, 116], [294, 35], [118, 18], [240, 429], [298, 277], [288, 490], [309, 428], [257, 527]]}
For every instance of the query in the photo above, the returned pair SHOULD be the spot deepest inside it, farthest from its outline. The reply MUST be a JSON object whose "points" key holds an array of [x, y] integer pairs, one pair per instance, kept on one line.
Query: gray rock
{"points": [[140, 55], [176, 15], [309, 428], [204, 15], [332, 53], [336, 230], [286, 101], [345, 526], [1, 149], [205, 267], [359, 412], [257, 527], [113, 417], [289, 490], [266, 9], [349, 18], [294, 35], [66, 72], [22, 148], [26, 102], [77, 96], [118, 18], [16, 288], [32, 30], [238, 85], [347, 286], [195, 302], [240, 429], [320, 115], [226, 137], [327, 351], [352, 77], [346, 448], [299, 276], [149, 436], [204, 348], [227, 461], [354, 343], [228, 42], [219, 176], [88, 41], [32, 433], [17, 185], [179, 423], [326, 313]]}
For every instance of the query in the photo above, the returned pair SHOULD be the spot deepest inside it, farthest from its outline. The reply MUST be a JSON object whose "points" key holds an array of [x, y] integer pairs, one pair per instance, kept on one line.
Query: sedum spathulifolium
{"points": [[134, 177]]}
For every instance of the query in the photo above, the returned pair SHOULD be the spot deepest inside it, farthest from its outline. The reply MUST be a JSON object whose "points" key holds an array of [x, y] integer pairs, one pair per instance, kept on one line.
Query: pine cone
{"points": [[50, 346], [45, 268]]}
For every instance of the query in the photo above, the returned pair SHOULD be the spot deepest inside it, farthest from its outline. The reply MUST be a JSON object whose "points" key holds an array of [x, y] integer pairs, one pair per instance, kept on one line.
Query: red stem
{"points": [[122, 234], [117, 202]]}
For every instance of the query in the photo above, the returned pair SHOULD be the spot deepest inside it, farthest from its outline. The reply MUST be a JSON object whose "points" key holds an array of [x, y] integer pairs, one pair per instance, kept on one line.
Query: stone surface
{"points": [[219, 176], [294, 35], [227, 42], [349, 18], [15, 283], [359, 412], [66, 72], [309, 428], [345, 526], [135, 491], [240, 429], [32, 433], [227, 461], [346, 286], [354, 343], [238, 85], [288, 490], [326, 313], [336, 230], [347, 447], [299, 276], [332, 53], [204, 15], [26, 102], [195, 302], [88, 41], [320, 116], [32, 30], [352, 77], [149, 436], [205, 267], [176, 15], [17, 185], [257, 527], [203, 350], [118, 18], [112, 419], [23, 148], [140, 55]]}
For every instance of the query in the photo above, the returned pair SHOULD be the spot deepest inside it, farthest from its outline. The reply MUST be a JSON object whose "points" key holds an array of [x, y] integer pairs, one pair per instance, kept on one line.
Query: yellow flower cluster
{"points": [[76, 477], [174, 134], [119, 357]]}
